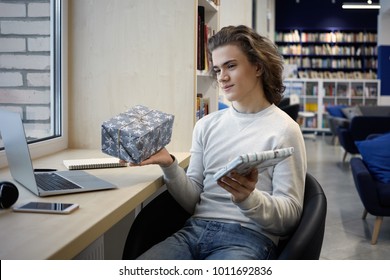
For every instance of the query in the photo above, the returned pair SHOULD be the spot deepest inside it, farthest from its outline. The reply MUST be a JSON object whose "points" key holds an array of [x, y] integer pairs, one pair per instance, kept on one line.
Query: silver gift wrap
{"points": [[136, 134]]}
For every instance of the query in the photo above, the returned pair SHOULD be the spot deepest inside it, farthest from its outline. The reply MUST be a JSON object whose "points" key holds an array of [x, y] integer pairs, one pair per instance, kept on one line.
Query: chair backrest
{"points": [[292, 111], [362, 126], [163, 216], [306, 241], [375, 111], [284, 102]]}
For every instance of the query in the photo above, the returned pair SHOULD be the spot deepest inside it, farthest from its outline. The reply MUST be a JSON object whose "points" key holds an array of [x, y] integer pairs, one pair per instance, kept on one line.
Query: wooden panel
{"points": [[124, 53], [234, 12]]}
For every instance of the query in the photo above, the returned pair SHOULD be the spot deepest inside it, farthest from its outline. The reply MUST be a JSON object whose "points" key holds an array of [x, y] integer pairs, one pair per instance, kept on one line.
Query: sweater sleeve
{"points": [[185, 192], [186, 187], [279, 210]]}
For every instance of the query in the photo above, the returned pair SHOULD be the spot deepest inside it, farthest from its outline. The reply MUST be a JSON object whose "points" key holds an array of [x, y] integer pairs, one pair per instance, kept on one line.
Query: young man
{"points": [[237, 217]]}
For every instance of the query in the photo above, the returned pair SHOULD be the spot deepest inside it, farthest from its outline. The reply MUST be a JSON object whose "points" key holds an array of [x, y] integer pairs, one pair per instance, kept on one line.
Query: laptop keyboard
{"points": [[52, 181]]}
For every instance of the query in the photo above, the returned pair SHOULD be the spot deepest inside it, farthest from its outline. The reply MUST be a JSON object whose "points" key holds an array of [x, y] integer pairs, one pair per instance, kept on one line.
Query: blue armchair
{"points": [[359, 128], [374, 194], [336, 119]]}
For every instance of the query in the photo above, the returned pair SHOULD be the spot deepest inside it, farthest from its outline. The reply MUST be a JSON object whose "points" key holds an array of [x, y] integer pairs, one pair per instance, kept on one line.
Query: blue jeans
{"points": [[210, 240]]}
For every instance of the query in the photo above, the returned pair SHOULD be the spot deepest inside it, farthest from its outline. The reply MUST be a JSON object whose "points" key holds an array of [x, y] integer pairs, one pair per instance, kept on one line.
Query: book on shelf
{"points": [[201, 39], [208, 32], [311, 107], [202, 106], [205, 31], [320, 51], [93, 163]]}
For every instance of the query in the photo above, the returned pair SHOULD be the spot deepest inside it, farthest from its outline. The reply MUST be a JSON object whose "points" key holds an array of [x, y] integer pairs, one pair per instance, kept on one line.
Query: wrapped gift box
{"points": [[136, 134]]}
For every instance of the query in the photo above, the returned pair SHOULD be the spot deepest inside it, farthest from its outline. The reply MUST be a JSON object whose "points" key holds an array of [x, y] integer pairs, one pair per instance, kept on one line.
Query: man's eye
{"points": [[217, 71], [230, 66]]}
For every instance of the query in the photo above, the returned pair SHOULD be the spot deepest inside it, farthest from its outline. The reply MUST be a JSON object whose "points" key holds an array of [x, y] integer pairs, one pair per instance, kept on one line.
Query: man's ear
{"points": [[259, 71]]}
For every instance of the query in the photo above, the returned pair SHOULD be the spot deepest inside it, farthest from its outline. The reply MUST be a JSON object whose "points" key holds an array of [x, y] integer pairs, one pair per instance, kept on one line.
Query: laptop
{"points": [[21, 168]]}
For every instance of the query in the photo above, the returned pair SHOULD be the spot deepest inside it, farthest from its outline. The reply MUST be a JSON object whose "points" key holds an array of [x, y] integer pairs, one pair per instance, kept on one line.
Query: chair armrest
{"points": [[341, 122], [346, 140], [336, 122]]}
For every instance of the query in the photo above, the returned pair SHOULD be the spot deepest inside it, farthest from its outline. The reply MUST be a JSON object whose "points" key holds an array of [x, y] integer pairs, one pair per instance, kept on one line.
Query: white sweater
{"points": [[274, 208]]}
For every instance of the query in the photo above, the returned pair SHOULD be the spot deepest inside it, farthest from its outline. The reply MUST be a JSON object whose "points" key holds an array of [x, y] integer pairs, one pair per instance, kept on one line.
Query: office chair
{"points": [[306, 241], [291, 106], [292, 111], [159, 219], [163, 216], [284, 102]]}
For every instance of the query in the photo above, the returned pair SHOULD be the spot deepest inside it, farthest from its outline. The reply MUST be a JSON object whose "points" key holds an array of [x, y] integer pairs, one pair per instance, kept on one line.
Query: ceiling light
{"points": [[361, 6]]}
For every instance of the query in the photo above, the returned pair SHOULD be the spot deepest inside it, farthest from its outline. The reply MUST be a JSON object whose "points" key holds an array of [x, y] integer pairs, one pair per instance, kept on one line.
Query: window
{"points": [[32, 68]]}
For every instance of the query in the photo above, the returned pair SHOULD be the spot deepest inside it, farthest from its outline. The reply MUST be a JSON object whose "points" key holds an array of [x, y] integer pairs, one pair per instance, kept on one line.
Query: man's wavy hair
{"points": [[259, 50]]}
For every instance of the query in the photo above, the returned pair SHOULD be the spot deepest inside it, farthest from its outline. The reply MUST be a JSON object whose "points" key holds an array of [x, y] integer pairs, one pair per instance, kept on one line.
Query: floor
{"points": [[347, 235]]}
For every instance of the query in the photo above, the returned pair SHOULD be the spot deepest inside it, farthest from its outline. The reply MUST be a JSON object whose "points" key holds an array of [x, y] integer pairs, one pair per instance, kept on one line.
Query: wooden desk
{"points": [[51, 236]]}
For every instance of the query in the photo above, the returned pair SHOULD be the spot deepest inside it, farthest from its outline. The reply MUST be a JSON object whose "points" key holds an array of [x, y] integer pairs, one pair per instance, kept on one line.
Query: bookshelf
{"points": [[316, 94], [330, 54], [206, 88]]}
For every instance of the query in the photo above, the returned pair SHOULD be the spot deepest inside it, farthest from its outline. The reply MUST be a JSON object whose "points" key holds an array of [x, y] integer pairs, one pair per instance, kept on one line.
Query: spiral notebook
{"points": [[93, 163]]}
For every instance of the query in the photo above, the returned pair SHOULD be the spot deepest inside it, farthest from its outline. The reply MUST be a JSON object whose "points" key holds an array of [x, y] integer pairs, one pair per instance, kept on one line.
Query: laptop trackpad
{"points": [[85, 180]]}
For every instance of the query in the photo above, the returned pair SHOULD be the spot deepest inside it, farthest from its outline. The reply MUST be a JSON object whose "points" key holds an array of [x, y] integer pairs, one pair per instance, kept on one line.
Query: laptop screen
{"points": [[16, 149]]}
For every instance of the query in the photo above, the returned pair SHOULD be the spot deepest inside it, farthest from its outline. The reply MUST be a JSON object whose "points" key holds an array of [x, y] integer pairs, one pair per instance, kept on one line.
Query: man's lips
{"points": [[227, 87]]}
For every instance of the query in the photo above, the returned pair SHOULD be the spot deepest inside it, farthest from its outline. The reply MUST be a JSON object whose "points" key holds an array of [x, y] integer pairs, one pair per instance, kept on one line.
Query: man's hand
{"points": [[162, 158], [239, 186]]}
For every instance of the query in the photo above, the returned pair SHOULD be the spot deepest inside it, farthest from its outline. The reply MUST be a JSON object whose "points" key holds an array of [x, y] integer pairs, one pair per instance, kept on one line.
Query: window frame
{"points": [[60, 96]]}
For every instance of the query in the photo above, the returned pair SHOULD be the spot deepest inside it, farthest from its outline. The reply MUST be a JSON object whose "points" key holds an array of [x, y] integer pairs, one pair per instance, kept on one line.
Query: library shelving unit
{"points": [[316, 94], [206, 88], [330, 54]]}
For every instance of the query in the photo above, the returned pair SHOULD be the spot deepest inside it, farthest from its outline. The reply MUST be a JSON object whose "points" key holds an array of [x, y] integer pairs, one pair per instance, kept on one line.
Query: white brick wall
{"points": [[25, 62], [37, 113], [12, 10], [24, 97], [17, 27], [38, 10], [12, 45], [38, 44], [11, 79], [38, 79]]}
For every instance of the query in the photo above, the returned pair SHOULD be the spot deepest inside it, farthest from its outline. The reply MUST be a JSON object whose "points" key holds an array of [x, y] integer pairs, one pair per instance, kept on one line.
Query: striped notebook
{"points": [[93, 163]]}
